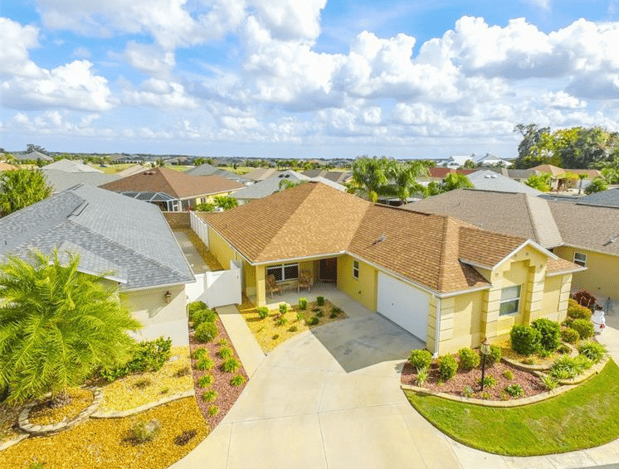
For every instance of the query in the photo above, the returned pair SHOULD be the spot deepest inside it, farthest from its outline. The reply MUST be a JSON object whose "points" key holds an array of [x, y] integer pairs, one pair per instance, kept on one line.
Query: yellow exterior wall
{"points": [[602, 275], [364, 288], [260, 285], [221, 250], [249, 278], [158, 317]]}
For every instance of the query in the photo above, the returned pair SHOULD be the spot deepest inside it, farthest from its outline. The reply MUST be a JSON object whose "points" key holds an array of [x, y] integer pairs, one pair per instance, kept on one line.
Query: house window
{"points": [[580, 259], [284, 272], [510, 300], [355, 269]]}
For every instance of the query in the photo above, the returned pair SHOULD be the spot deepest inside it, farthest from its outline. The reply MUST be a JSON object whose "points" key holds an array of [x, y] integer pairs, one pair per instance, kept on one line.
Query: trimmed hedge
{"points": [[448, 366], [526, 340], [469, 359], [551, 333], [584, 327], [420, 359]]}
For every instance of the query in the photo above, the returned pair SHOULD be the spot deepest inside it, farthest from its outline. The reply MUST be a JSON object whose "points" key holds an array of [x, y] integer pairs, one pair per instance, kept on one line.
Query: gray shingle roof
{"points": [[32, 156], [608, 198], [61, 180], [491, 181], [268, 186], [72, 166], [210, 170], [111, 232]]}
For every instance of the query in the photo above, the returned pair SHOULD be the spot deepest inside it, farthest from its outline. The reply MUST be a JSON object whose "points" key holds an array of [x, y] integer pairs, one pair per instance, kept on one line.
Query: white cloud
{"points": [[149, 58], [15, 40], [81, 52], [543, 4], [162, 94], [561, 99], [290, 19]]}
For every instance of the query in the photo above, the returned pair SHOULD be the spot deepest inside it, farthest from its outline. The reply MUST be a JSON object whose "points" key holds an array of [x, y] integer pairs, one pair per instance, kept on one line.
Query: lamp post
{"points": [[485, 350]]}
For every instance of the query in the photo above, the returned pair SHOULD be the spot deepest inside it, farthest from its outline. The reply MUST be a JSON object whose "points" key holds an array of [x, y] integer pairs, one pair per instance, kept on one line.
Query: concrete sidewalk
{"points": [[245, 343]]}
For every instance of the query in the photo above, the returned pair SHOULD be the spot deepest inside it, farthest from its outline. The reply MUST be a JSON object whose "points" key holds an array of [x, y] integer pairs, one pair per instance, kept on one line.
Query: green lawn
{"points": [[582, 418]]}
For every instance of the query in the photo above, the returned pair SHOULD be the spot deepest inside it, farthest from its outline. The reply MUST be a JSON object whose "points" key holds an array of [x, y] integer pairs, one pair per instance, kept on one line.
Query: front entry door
{"points": [[328, 270]]}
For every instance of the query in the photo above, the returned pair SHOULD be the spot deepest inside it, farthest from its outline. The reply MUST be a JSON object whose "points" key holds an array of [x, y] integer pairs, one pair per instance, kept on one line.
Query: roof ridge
{"points": [[534, 219], [443, 255]]}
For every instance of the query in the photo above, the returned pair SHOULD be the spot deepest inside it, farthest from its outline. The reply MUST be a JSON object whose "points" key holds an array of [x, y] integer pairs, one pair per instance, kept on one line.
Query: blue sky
{"points": [[302, 79]]}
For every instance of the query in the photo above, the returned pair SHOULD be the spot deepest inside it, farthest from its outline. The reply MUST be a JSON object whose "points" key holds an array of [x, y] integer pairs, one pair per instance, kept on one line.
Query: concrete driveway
{"points": [[328, 398]]}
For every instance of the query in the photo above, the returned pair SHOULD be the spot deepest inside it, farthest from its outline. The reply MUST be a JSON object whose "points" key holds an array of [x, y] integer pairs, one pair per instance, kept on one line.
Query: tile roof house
{"points": [[210, 170], [127, 241], [427, 273], [260, 174], [584, 234], [488, 180], [72, 166], [172, 190]]}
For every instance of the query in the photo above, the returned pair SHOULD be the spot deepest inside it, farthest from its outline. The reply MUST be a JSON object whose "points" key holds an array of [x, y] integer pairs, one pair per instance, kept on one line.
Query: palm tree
{"points": [[405, 177], [57, 325], [21, 188]]}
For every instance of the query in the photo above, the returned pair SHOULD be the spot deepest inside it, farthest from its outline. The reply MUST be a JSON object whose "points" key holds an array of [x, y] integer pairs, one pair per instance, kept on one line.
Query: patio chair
{"points": [[305, 281], [272, 285]]}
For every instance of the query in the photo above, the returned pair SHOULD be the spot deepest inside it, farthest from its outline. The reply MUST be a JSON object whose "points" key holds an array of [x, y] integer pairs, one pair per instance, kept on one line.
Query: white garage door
{"points": [[405, 305]]}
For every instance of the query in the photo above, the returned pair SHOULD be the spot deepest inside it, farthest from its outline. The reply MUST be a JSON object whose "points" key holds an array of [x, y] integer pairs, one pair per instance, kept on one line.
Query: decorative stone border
{"points": [[566, 386], [14, 441], [64, 424], [115, 414], [524, 367]]}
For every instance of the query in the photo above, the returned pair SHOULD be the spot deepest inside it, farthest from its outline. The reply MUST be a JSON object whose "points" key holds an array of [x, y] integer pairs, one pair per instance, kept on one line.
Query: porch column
{"points": [[260, 286]]}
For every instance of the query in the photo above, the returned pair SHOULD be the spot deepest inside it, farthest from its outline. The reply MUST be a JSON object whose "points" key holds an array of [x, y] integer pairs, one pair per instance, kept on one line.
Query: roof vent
{"points": [[380, 240]]}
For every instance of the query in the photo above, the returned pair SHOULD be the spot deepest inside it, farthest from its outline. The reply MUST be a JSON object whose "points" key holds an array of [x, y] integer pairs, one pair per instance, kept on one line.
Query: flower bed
{"points": [[530, 383], [270, 332], [227, 394], [44, 413]]}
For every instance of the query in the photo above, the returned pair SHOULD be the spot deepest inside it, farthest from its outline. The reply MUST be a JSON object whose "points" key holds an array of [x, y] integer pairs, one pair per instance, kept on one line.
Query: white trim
{"points": [[578, 262], [531, 243], [588, 249], [509, 300], [355, 269], [300, 259], [437, 327], [155, 286], [565, 272]]}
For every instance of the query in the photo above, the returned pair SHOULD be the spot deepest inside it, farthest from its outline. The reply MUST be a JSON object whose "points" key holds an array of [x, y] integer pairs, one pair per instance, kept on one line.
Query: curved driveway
{"points": [[328, 398]]}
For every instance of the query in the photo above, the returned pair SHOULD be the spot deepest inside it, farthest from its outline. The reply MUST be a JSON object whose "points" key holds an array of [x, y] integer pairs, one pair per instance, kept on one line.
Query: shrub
{"points": [[263, 312], [144, 431], [469, 359], [315, 310], [508, 374], [293, 329], [420, 359], [205, 381], [313, 321], [185, 437], [549, 382], [225, 352], [210, 395], [300, 317], [489, 381], [184, 371], [204, 363], [199, 353], [485, 395], [320, 314], [564, 349], [584, 327], [164, 390], [422, 376], [149, 355], [212, 411], [281, 321], [320, 300], [515, 390], [567, 367], [223, 343], [202, 316], [577, 311], [333, 315], [525, 339], [335, 310], [237, 380], [230, 365], [592, 350], [551, 333], [195, 306], [142, 383], [467, 391], [447, 367], [206, 332], [275, 337], [494, 356], [283, 308], [303, 303], [570, 335], [585, 298]]}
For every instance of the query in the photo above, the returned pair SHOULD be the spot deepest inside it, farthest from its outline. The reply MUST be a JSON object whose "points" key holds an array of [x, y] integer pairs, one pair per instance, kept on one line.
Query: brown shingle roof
{"points": [[173, 183], [561, 265], [313, 219]]}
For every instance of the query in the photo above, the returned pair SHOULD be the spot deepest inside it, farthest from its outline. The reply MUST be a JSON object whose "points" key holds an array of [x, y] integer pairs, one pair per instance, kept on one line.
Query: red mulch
{"points": [[227, 394], [530, 383]]}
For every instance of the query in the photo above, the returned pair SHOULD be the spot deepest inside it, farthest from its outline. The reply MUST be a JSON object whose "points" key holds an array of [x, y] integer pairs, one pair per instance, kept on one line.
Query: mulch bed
{"points": [[227, 394], [530, 383], [45, 413]]}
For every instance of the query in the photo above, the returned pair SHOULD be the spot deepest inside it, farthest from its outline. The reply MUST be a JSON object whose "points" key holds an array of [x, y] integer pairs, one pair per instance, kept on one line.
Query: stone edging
{"points": [[9, 443], [64, 424], [566, 386], [524, 367], [115, 414]]}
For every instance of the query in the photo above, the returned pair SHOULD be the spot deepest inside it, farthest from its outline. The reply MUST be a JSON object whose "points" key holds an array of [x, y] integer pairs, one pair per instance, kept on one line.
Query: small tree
{"points": [[21, 188], [540, 182], [226, 202], [57, 325], [597, 185]]}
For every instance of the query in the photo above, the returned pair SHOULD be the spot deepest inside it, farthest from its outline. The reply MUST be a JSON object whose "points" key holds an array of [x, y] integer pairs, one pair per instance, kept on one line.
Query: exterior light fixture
{"points": [[168, 297]]}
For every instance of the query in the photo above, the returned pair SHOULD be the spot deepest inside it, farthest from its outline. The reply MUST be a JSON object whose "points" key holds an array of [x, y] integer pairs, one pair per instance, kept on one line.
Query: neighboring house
{"points": [[492, 160], [61, 180], [340, 177], [32, 156], [7, 167], [447, 282], [210, 170], [488, 180], [607, 198], [127, 241], [438, 174], [561, 182], [269, 186], [584, 234], [131, 170], [172, 190], [72, 166], [457, 161], [260, 174]]}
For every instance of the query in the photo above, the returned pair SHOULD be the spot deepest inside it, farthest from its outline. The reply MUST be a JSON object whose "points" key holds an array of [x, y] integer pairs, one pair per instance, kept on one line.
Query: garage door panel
{"points": [[403, 304]]}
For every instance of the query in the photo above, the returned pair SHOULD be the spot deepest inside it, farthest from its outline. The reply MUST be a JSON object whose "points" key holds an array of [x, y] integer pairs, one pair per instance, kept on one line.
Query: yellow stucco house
{"points": [[584, 234], [447, 282]]}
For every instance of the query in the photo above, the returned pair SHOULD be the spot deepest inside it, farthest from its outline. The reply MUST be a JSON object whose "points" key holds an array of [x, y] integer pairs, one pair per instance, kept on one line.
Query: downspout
{"points": [[437, 329]]}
